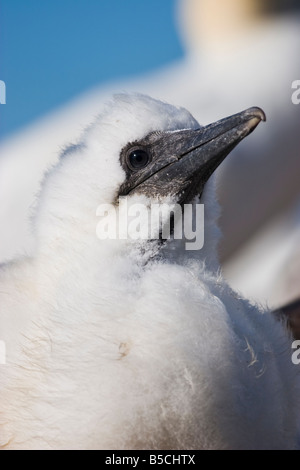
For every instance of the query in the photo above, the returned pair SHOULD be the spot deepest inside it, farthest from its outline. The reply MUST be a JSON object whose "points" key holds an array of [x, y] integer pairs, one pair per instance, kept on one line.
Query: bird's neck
{"points": [[68, 237], [71, 245]]}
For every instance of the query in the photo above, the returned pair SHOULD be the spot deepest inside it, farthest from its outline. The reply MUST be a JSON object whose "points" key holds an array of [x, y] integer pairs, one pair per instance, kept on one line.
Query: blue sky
{"points": [[51, 50]]}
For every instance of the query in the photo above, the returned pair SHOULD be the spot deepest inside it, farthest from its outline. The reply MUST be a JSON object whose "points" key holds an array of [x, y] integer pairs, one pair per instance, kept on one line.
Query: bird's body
{"points": [[134, 344]]}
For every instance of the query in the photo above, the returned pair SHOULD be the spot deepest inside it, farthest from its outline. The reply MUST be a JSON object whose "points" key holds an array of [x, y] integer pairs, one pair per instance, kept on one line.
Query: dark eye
{"points": [[138, 159]]}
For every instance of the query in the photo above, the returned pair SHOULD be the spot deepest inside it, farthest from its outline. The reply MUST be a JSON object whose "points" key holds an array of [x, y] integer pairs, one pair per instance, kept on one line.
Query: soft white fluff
{"points": [[109, 346]]}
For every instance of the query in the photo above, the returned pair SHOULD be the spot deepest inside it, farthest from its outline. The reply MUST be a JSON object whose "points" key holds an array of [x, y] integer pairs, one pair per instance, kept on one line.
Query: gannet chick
{"points": [[139, 344]]}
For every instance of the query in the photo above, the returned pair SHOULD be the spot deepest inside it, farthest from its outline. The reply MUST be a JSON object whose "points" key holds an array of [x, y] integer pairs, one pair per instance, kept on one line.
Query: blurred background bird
{"points": [[232, 55]]}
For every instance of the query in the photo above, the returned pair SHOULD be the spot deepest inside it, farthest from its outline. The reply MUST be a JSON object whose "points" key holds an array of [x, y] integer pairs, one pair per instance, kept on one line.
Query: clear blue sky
{"points": [[51, 50]]}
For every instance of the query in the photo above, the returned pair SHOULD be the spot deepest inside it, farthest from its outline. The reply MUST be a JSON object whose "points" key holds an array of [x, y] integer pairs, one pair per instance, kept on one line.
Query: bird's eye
{"points": [[138, 159]]}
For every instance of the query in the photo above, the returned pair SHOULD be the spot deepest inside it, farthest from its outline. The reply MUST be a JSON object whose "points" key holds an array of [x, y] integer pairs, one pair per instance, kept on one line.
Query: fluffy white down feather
{"points": [[109, 347]]}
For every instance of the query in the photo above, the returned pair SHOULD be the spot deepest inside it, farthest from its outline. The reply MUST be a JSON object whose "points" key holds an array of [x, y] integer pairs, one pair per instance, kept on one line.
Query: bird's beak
{"points": [[183, 161]]}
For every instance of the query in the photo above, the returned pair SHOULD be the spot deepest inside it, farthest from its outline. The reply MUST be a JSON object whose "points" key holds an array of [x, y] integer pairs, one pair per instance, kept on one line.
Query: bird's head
{"points": [[147, 151]]}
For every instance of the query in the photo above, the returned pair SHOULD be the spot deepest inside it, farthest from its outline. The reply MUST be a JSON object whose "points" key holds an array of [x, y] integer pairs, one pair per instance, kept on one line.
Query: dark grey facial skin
{"points": [[179, 163]]}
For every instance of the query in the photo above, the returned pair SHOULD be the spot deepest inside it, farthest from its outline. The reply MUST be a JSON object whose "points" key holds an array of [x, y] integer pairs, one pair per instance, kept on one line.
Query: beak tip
{"points": [[257, 112], [252, 117]]}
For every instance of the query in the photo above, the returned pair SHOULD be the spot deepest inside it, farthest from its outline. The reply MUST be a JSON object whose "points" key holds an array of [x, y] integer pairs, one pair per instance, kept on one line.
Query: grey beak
{"points": [[182, 161]]}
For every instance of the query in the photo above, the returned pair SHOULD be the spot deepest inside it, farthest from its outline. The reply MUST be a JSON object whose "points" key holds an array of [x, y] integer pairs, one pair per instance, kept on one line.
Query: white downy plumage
{"points": [[109, 346]]}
